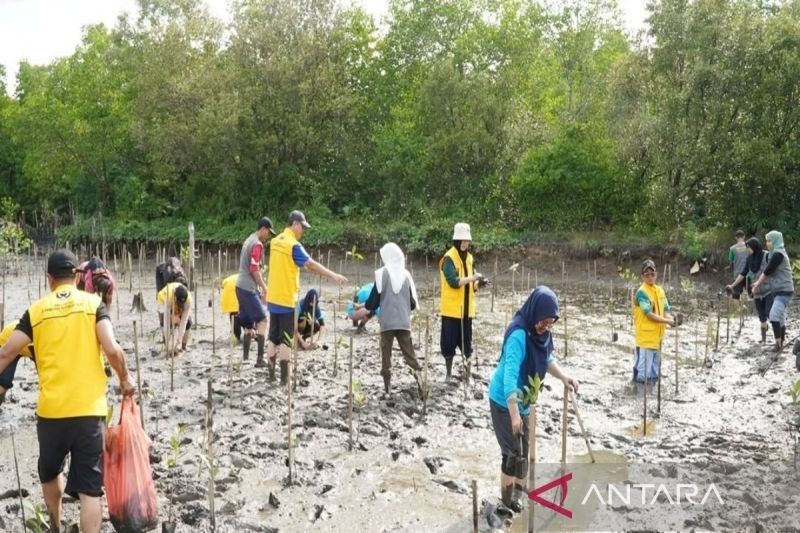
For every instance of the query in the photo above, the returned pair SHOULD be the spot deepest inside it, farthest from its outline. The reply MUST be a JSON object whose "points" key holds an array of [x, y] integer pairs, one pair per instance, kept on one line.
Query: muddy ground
{"points": [[410, 471]]}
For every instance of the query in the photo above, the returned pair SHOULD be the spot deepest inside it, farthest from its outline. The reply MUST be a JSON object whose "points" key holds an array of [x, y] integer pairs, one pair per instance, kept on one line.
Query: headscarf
{"points": [[395, 264], [777, 241], [305, 307], [542, 303], [757, 257]]}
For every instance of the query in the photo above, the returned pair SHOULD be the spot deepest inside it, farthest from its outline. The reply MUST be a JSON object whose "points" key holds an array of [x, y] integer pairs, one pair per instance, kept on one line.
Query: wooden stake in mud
{"points": [[494, 283], [213, 328], [3, 304], [350, 400], [19, 483], [564, 412], [210, 451], [658, 394], [719, 318], [646, 377], [474, 506], [138, 372], [427, 359], [532, 464], [192, 283], [335, 343], [580, 423], [464, 359], [677, 360], [289, 387], [566, 333]]}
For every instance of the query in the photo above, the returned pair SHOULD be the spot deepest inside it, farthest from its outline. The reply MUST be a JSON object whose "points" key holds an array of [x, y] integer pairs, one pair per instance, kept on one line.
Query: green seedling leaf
{"points": [[529, 394], [794, 391], [288, 340]]}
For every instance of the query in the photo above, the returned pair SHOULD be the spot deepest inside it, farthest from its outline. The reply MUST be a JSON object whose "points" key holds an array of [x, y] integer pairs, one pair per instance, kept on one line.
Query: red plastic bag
{"points": [[130, 491]]}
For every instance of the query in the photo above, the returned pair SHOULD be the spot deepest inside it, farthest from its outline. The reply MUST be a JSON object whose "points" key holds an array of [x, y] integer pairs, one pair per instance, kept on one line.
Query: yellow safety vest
{"points": [[72, 381], [284, 275], [228, 301], [648, 332], [6, 333], [452, 302]]}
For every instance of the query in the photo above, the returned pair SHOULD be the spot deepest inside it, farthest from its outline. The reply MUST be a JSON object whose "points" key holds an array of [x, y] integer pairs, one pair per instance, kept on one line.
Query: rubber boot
{"points": [[260, 363], [246, 346], [764, 334], [387, 384], [284, 372], [508, 499], [272, 369], [448, 363]]}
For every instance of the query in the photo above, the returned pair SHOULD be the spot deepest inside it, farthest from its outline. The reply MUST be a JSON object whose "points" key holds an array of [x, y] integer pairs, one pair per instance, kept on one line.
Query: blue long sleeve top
{"points": [[507, 378]]}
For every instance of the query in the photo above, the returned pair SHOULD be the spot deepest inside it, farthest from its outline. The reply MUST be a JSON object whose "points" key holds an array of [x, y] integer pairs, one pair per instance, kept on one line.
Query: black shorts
{"points": [[762, 308], [450, 338], [82, 438], [280, 324], [510, 445]]}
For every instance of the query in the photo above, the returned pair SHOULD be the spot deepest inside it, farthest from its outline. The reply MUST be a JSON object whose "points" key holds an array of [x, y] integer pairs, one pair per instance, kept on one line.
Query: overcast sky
{"points": [[39, 31]]}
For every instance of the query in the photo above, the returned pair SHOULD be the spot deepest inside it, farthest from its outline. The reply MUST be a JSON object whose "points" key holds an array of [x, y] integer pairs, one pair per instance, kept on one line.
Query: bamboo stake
{"points": [[494, 283], [138, 372], [564, 410], [660, 357], [677, 360], [210, 450], [19, 483], [583, 429], [474, 506], [646, 365], [335, 343], [464, 359], [350, 400], [425, 368], [566, 333], [289, 387], [532, 464]]}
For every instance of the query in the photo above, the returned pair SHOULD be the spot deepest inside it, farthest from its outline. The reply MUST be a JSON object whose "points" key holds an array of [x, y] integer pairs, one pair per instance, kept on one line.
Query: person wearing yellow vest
{"points": [[650, 319], [229, 305], [459, 284], [286, 257], [175, 301], [68, 327], [7, 375]]}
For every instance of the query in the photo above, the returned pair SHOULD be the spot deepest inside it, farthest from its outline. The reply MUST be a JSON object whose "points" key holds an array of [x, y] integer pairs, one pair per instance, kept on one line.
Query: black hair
{"points": [[739, 233]]}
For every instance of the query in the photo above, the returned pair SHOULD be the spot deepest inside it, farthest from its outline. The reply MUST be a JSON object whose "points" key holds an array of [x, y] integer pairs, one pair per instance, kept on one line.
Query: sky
{"points": [[39, 31]]}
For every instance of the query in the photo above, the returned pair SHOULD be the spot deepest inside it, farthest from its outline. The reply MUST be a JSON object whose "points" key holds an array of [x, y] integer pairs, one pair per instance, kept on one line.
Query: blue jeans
{"points": [[779, 311], [645, 359]]}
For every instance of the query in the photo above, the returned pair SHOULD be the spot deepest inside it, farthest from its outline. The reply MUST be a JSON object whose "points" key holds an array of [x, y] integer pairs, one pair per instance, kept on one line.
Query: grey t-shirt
{"points": [[245, 279], [738, 255]]}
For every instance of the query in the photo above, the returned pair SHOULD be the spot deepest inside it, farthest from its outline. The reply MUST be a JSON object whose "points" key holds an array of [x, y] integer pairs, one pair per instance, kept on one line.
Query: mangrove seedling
{"points": [[794, 391], [175, 442], [38, 520], [530, 392]]}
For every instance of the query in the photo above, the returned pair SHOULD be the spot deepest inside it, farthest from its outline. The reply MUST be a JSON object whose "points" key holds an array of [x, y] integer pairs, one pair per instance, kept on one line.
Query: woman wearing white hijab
{"points": [[396, 295]]}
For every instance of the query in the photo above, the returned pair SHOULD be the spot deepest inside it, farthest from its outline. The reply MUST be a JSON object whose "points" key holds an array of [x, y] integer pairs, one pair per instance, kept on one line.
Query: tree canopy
{"points": [[535, 116]]}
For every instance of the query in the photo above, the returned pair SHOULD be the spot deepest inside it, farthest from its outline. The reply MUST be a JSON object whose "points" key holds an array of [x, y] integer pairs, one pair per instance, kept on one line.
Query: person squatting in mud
{"points": [[650, 318], [174, 308], [356, 311], [756, 263], [776, 285], [396, 295], [527, 351], [459, 283], [310, 331]]}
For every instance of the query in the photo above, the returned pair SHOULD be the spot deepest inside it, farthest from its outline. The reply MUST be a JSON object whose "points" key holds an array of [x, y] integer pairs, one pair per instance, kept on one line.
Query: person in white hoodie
{"points": [[396, 295]]}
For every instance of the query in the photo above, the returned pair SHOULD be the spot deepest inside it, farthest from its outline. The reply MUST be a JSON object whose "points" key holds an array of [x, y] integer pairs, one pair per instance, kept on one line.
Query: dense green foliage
{"points": [[501, 112]]}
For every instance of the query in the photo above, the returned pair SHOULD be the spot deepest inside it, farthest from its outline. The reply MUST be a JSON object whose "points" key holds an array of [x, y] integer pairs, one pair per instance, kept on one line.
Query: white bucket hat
{"points": [[461, 232]]}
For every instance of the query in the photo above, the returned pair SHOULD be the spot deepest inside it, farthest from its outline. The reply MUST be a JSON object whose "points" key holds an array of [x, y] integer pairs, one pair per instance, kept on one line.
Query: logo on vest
{"points": [[63, 295]]}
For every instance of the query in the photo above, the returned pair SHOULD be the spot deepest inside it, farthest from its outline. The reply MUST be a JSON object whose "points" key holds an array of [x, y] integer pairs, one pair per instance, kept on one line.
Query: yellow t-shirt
{"points": [[169, 289], [6, 333], [72, 380], [228, 301]]}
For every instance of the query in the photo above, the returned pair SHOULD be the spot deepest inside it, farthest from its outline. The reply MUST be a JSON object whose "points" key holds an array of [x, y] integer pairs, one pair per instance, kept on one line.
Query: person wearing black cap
{"points": [[175, 302], [286, 258], [251, 291], [67, 328], [650, 318]]}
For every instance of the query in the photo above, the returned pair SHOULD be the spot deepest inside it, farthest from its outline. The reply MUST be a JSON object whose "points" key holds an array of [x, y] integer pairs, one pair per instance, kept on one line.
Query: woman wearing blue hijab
{"points": [[527, 351]]}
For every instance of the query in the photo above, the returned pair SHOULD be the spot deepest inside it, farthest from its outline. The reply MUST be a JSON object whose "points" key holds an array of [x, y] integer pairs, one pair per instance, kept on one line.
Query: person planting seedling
{"points": [[525, 358], [756, 263], [310, 329], [776, 285]]}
